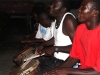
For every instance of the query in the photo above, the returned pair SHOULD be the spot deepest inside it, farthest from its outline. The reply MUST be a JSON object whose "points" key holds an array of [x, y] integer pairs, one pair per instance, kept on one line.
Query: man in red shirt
{"points": [[86, 44]]}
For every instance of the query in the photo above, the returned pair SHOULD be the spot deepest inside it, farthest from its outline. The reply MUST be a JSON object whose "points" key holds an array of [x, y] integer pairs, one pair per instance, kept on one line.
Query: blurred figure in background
{"points": [[36, 10], [45, 29]]}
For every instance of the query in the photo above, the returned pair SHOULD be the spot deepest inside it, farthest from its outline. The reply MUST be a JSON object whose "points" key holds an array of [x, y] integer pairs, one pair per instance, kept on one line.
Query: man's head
{"points": [[58, 7], [37, 9], [45, 19], [88, 10]]}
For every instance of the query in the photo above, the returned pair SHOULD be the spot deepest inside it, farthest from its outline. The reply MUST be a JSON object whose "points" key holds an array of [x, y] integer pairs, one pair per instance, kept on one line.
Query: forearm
{"points": [[38, 40], [65, 49], [73, 71], [69, 62], [49, 42], [33, 41]]}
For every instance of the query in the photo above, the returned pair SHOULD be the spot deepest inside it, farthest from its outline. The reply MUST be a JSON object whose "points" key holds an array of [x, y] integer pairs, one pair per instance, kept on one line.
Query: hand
{"points": [[57, 71], [49, 51], [38, 50]]}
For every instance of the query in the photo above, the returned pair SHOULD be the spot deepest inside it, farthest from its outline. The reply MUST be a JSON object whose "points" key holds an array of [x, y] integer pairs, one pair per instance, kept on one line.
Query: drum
{"points": [[19, 57], [25, 51], [30, 67]]}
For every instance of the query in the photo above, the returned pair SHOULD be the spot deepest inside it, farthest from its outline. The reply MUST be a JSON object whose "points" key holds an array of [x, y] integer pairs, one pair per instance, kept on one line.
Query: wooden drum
{"points": [[30, 67], [19, 57]]}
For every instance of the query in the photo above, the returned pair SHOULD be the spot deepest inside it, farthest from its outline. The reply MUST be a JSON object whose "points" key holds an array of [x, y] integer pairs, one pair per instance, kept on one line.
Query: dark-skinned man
{"points": [[86, 43], [63, 33]]}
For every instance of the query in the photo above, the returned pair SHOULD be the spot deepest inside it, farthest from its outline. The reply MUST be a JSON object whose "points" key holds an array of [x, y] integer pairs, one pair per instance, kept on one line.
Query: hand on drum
{"points": [[38, 50], [48, 51]]}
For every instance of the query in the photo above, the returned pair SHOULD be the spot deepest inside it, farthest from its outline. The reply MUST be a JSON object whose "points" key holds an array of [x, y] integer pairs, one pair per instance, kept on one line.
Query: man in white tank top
{"points": [[63, 33]]}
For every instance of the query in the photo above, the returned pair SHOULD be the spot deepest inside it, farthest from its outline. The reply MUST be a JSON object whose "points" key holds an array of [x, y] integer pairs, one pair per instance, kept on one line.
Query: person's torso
{"points": [[89, 40], [61, 39], [47, 33]]}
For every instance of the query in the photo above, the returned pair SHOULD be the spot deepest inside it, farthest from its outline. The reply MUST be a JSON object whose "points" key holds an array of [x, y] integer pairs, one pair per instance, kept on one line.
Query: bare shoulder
{"points": [[70, 21], [70, 25], [69, 17]]}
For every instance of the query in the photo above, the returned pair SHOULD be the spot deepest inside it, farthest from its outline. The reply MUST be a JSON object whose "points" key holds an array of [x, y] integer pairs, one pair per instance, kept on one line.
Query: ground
{"points": [[8, 48]]}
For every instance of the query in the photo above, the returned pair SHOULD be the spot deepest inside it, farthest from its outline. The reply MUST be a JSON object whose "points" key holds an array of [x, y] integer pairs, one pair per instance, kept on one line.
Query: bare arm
{"points": [[90, 71], [33, 41], [49, 42], [73, 71], [65, 68], [76, 71], [69, 26], [42, 46], [69, 62]]}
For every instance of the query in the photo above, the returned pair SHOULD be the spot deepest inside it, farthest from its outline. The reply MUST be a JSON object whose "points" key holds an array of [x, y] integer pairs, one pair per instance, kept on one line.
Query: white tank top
{"points": [[61, 39]]}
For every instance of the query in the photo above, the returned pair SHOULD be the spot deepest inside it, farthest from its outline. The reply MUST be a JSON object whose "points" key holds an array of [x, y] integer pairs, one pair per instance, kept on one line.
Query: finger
{"points": [[53, 72], [45, 52], [36, 51], [42, 52]]}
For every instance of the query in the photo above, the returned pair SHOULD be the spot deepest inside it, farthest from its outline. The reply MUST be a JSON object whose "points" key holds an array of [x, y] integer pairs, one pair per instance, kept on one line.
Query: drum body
{"points": [[19, 57], [28, 68]]}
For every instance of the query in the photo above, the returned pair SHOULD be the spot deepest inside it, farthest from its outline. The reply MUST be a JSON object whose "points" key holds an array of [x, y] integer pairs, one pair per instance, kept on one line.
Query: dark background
{"points": [[16, 18]]}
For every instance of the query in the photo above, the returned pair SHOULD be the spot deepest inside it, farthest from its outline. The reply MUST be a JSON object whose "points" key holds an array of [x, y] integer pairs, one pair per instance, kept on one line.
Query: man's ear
{"points": [[95, 12]]}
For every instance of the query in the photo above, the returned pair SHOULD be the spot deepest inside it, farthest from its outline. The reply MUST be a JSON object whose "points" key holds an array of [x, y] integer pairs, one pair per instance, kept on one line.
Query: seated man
{"points": [[86, 43], [36, 10], [45, 29], [44, 33], [63, 35]]}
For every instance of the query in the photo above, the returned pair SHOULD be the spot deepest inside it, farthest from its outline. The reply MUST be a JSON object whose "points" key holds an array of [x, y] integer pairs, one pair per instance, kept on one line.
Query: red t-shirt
{"points": [[86, 47]]}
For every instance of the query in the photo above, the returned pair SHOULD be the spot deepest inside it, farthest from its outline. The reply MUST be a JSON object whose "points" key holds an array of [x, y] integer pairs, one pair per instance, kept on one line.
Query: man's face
{"points": [[55, 7], [35, 16], [85, 11], [44, 20]]}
